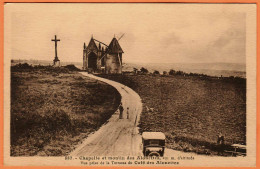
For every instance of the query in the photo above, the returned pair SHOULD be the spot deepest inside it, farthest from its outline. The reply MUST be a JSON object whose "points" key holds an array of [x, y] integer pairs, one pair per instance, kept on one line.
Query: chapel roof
{"points": [[92, 44]]}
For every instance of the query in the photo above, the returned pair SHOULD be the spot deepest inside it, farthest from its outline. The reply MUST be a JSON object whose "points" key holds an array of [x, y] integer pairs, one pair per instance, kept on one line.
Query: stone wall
{"points": [[112, 64]]}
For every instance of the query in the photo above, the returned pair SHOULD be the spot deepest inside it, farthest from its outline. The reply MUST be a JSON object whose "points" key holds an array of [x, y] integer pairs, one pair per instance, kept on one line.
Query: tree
{"points": [[179, 73], [156, 72], [143, 70], [135, 70], [172, 72]]}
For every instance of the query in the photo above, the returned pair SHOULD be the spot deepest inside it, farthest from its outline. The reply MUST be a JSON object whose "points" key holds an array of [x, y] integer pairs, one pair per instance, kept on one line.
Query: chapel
{"points": [[101, 58]]}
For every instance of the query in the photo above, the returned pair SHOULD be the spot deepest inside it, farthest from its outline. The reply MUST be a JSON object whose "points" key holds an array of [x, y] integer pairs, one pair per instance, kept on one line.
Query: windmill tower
{"points": [[113, 59]]}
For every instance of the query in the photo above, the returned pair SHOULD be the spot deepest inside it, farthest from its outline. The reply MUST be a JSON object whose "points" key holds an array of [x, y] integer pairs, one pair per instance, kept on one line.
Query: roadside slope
{"points": [[53, 109]]}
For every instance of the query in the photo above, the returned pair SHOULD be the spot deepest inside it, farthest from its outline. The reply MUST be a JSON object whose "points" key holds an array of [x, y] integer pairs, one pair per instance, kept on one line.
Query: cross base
{"points": [[56, 63]]}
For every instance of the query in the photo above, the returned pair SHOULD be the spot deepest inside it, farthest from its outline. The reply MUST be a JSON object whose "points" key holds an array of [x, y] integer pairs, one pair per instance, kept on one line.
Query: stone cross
{"points": [[56, 55]]}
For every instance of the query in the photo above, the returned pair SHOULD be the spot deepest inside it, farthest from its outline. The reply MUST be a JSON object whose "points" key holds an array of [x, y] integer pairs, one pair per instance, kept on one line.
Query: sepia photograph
{"points": [[130, 84]]}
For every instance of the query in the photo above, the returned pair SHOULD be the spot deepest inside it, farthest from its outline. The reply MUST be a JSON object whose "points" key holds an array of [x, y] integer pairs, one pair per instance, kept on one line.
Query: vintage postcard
{"points": [[130, 84]]}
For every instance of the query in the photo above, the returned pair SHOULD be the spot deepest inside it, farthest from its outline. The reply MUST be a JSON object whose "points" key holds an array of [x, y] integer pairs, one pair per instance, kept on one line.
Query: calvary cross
{"points": [[56, 55]]}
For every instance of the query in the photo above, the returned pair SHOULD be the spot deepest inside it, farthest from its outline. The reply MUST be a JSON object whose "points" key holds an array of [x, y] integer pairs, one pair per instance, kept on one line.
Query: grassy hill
{"points": [[53, 109], [191, 110]]}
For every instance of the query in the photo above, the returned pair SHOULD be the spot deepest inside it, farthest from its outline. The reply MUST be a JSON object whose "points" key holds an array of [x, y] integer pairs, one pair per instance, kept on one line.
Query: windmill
{"points": [[108, 50], [121, 37], [118, 54]]}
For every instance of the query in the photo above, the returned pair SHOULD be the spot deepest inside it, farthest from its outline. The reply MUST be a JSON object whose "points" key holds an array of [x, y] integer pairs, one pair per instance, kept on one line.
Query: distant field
{"points": [[211, 69], [52, 110], [191, 111]]}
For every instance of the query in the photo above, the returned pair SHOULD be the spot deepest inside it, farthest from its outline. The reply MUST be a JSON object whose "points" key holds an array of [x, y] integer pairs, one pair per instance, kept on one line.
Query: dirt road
{"points": [[118, 137]]}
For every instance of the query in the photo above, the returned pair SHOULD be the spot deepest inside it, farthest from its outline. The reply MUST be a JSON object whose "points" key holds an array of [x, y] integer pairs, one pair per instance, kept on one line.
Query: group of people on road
{"points": [[121, 110]]}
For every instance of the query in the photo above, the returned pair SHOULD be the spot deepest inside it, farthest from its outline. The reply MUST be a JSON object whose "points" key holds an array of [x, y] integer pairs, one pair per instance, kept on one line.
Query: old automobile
{"points": [[153, 143]]}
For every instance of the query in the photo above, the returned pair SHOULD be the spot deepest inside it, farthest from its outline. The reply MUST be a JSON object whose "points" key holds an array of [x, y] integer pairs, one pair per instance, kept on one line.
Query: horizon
{"points": [[135, 62]]}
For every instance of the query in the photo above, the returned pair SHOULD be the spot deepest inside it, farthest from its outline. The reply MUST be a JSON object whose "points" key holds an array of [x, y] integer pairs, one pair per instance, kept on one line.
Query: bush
{"points": [[49, 69], [135, 70], [171, 72], [156, 72], [144, 70], [22, 67], [72, 67], [180, 73]]}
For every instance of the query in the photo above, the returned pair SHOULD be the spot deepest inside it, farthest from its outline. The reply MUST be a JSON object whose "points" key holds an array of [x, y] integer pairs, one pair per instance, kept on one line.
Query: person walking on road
{"points": [[221, 144], [121, 109], [127, 112]]}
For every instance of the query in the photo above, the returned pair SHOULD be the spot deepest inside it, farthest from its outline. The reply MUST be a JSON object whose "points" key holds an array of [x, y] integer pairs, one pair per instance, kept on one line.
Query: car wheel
{"points": [[154, 154]]}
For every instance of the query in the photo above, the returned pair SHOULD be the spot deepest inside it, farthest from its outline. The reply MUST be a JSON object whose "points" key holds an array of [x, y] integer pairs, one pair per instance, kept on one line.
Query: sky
{"points": [[165, 33]]}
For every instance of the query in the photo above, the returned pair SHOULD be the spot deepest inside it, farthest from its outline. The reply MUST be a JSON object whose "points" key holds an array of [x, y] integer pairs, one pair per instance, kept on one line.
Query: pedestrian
{"points": [[221, 144], [121, 109], [127, 112]]}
